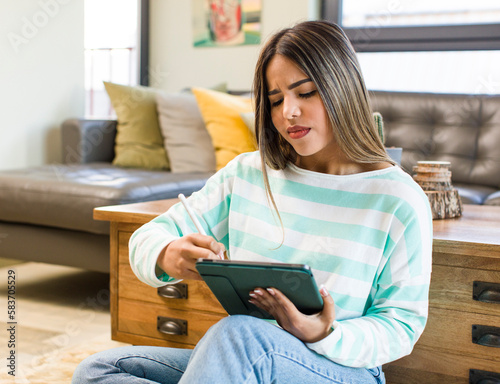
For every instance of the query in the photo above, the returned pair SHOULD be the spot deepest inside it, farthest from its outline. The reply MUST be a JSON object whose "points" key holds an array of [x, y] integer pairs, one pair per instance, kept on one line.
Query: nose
{"points": [[291, 108]]}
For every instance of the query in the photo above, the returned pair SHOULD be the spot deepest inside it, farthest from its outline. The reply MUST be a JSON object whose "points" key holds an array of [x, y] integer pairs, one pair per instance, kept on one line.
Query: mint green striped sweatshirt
{"points": [[367, 238]]}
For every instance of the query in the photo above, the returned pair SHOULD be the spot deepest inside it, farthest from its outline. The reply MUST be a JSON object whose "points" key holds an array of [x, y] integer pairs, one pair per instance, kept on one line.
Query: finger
{"points": [[285, 312], [192, 248], [267, 300], [192, 275], [214, 248], [186, 269], [284, 307], [282, 300], [218, 249], [328, 304], [264, 305], [260, 297]]}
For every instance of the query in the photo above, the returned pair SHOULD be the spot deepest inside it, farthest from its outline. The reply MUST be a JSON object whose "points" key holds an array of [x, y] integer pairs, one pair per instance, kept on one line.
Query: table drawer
{"points": [[451, 288], [452, 331], [142, 319], [194, 294], [197, 294], [426, 365]]}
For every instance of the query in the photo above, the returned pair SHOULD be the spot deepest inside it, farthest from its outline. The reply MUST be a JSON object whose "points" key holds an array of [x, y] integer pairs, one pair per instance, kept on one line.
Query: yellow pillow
{"points": [[139, 143], [221, 114]]}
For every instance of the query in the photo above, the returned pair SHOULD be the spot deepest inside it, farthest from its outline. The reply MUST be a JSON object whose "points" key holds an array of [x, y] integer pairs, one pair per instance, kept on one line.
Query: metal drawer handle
{"points": [[171, 326], [483, 377], [486, 292], [486, 335], [173, 291]]}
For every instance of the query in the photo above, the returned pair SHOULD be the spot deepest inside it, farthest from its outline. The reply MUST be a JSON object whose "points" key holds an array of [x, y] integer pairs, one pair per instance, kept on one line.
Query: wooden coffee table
{"points": [[461, 339]]}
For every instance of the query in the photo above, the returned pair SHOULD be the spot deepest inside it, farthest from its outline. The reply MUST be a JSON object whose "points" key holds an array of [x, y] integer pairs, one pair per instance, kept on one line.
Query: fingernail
{"points": [[270, 290], [252, 295], [323, 290], [258, 291], [221, 255]]}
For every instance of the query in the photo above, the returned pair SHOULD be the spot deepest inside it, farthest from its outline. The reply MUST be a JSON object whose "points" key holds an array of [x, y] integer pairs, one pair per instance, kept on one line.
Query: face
{"points": [[297, 111]]}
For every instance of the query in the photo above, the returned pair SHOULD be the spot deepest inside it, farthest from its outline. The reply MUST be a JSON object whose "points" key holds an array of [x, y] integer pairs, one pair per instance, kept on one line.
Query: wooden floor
{"points": [[62, 316]]}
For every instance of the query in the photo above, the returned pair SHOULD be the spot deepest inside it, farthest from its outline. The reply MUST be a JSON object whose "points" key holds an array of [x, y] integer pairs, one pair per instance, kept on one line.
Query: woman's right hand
{"points": [[178, 259]]}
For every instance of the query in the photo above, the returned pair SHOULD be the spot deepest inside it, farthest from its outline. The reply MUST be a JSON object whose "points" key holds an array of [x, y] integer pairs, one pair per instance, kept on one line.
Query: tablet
{"points": [[232, 281]]}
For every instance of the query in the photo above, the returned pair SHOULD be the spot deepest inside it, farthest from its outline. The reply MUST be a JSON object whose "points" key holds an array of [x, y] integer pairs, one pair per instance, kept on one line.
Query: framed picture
{"points": [[226, 22]]}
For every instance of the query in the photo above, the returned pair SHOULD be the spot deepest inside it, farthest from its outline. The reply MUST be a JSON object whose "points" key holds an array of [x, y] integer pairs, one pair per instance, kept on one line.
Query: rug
{"points": [[61, 317], [57, 366]]}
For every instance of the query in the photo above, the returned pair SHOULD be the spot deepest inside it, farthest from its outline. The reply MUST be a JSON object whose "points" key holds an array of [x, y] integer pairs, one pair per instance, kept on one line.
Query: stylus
{"points": [[191, 214], [195, 220]]}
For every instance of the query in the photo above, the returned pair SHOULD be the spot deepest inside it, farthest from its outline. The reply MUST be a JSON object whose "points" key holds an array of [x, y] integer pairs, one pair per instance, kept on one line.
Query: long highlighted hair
{"points": [[323, 52]]}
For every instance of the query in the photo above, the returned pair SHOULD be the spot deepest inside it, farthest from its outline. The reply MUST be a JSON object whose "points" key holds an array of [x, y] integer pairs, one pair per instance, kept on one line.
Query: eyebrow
{"points": [[290, 87]]}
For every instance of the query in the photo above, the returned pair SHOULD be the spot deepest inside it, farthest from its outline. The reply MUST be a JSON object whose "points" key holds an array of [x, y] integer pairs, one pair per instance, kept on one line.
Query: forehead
{"points": [[282, 70]]}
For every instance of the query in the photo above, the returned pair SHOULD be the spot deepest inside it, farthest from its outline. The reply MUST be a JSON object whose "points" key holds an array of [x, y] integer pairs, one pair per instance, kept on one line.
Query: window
{"points": [[423, 45], [467, 72], [423, 25], [366, 13], [115, 49]]}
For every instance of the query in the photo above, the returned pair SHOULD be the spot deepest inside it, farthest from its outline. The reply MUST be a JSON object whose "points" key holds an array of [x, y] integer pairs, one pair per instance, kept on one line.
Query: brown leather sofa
{"points": [[461, 129], [46, 212]]}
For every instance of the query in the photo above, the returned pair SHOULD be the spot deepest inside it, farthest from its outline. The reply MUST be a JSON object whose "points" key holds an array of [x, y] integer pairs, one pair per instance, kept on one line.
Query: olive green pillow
{"points": [[139, 143]]}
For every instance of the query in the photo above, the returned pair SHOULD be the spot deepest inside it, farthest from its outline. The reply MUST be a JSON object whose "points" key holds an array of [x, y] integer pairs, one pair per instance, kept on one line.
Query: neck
{"points": [[337, 165], [327, 167], [329, 161]]}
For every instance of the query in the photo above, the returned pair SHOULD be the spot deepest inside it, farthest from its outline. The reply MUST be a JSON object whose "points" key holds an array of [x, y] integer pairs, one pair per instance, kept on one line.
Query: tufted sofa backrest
{"points": [[461, 129]]}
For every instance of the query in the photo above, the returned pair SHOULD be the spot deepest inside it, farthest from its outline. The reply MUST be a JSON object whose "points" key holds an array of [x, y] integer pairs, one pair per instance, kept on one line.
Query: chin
{"points": [[306, 152]]}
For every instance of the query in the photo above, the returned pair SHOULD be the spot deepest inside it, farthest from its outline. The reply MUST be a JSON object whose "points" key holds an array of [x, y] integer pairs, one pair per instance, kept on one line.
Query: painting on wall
{"points": [[219, 23]]}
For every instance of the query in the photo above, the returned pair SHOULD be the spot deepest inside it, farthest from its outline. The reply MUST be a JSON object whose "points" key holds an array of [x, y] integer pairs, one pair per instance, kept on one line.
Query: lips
{"points": [[297, 131]]}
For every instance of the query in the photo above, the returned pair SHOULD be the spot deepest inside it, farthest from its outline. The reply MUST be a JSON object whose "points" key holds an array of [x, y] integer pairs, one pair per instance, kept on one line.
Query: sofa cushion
{"points": [[139, 143], [64, 196], [186, 138], [461, 129], [473, 194], [493, 199], [56, 246], [222, 116]]}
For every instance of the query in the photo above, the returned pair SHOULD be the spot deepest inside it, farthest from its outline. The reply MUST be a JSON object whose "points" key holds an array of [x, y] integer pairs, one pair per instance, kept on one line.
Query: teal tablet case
{"points": [[232, 281]]}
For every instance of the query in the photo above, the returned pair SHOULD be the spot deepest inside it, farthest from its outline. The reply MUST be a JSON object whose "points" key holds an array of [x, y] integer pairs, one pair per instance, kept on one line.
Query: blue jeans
{"points": [[238, 349]]}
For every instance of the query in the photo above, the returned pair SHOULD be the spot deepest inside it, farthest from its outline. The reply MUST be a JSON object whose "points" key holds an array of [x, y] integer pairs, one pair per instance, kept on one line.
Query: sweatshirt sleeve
{"points": [[397, 308], [211, 206]]}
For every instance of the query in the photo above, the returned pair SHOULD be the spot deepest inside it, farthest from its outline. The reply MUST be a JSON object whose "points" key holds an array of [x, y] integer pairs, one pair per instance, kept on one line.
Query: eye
{"points": [[307, 95], [276, 103]]}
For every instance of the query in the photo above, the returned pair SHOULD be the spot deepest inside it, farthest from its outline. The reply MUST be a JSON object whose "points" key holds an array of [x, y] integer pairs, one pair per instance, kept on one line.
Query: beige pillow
{"points": [[139, 143], [186, 138]]}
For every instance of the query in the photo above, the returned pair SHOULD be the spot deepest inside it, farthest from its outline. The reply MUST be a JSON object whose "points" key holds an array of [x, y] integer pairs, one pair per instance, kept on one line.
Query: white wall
{"points": [[176, 64], [42, 66], [41, 78]]}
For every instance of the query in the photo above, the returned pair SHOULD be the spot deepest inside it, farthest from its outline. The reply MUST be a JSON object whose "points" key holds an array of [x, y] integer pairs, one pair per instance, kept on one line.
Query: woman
{"points": [[320, 191]]}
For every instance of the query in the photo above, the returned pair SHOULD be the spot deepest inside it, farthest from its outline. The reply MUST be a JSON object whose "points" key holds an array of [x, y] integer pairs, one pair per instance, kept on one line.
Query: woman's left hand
{"points": [[308, 328]]}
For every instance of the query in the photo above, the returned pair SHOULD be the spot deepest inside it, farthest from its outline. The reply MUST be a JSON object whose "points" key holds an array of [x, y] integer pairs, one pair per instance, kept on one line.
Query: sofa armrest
{"points": [[86, 141]]}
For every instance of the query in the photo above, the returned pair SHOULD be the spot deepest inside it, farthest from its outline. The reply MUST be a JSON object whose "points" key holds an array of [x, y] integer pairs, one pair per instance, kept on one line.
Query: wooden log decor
{"points": [[435, 179]]}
